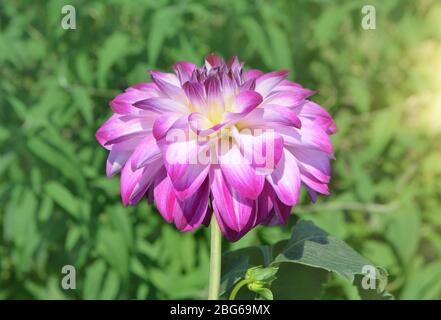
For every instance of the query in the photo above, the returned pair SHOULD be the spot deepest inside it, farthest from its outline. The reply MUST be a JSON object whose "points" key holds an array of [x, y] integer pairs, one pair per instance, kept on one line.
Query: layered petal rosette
{"points": [[218, 139]]}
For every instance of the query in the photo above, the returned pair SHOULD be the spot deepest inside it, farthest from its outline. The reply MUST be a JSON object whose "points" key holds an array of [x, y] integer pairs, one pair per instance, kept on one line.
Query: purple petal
{"points": [[193, 210], [213, 90], [195, 94], [265, 204], [190, 181], [146, 152], [116, 160], [281, 212], [232, 210], [187, 214], [134, 184]]}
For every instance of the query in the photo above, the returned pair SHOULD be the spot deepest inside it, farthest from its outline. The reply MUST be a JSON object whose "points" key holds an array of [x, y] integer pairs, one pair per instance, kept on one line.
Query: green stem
{"points": [[236, 288], [215, 260]]}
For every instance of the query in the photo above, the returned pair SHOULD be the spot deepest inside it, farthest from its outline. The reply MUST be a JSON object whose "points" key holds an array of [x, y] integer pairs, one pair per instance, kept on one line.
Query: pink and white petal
{"points": [[119, 128], [179, 151], [249, 85], [161, 105], [134, 184], [235, 65], [146, 152], [319, 115], [309, 135], [184, 70], [233, 210], [123, 103], [287, 98], [202, 126], [275, 115], [164, 196], [229, 233], [147, 87], [165, 122], [262, 148], [213, 61], [246, 101], [170, 78], [287, 85], [266, 82], [229, 88], [313, 183], [116, 160], [252, 74], [169, 86], [239, 173], [315, 162], [285, 179]]}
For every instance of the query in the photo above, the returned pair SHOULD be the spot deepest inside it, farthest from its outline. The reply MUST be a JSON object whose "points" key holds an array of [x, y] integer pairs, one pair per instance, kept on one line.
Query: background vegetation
{"points": [[57, 207]]}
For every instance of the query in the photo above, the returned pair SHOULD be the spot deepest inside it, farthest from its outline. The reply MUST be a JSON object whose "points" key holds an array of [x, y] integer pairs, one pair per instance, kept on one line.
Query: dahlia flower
{"points": [[218, 139]]}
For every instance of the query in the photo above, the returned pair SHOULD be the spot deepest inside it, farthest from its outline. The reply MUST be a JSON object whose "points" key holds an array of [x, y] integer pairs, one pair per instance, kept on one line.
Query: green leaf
{"points": [[299, 282], [112, 247], [111, 286], [236, 263], [382, 129], [56, 160], [280, 48], [113, 50], [63, 197], [312, 246], [312, 252], [94, 277], [265, 293], [424, 283], [161, 28], [403, 232], [84, 104], [257, 38]]}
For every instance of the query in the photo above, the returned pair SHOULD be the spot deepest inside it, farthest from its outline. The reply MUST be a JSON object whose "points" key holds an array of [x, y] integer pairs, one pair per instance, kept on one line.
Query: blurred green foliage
{"points": [[58, 208]]}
